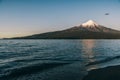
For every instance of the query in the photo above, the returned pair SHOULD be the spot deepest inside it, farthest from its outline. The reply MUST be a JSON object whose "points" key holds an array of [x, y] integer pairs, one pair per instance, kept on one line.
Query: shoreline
{"points": [[107, 73]]}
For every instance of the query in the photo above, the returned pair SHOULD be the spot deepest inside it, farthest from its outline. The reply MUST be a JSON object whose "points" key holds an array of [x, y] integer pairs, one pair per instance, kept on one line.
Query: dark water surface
{"points": [[55, 59]]}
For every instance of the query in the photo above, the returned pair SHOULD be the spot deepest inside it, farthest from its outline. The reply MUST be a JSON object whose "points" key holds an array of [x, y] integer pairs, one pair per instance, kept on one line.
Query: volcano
{"points": [[92, 26], [87, 30]]}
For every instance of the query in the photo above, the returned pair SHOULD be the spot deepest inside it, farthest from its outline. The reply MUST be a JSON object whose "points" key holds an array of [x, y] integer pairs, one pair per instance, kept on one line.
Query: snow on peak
{"points": [[90, 23]]}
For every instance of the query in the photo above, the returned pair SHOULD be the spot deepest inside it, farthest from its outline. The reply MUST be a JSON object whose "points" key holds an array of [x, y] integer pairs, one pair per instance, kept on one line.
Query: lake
{"points": [[55, 59]]}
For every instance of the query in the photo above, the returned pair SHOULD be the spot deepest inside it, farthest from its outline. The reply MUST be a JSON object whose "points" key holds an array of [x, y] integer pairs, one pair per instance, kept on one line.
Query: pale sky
{"points": [[26, 17]]}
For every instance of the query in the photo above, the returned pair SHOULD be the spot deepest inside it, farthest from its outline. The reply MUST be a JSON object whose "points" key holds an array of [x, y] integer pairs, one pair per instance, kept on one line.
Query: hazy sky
{"points": [[25, 17]]}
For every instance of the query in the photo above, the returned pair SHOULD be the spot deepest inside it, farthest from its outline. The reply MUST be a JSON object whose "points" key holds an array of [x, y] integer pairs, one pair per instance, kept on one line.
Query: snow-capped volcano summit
{"points": [[90, 23], [92, 26]]}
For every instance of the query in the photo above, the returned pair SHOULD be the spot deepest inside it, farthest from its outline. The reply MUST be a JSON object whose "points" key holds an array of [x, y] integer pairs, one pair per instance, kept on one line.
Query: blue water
{"points": [[55, 59]]}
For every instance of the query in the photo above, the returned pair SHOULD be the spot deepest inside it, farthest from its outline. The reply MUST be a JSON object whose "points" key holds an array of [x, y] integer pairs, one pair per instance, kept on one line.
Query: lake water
{"points": [[55, 59]]}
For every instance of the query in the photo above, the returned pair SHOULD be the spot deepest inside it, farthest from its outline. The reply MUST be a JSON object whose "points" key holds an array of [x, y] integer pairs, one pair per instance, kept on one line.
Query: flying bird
{"points": [[106, 13]]}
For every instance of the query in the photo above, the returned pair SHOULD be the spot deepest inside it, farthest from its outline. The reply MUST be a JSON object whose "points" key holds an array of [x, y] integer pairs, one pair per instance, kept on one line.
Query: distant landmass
{"points": [[88, 30]]}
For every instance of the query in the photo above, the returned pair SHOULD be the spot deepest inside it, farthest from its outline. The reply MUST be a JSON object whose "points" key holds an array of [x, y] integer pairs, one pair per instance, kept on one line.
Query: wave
{"points": [[57, 59], [32, 58], [103, 61], [17, 72]]}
